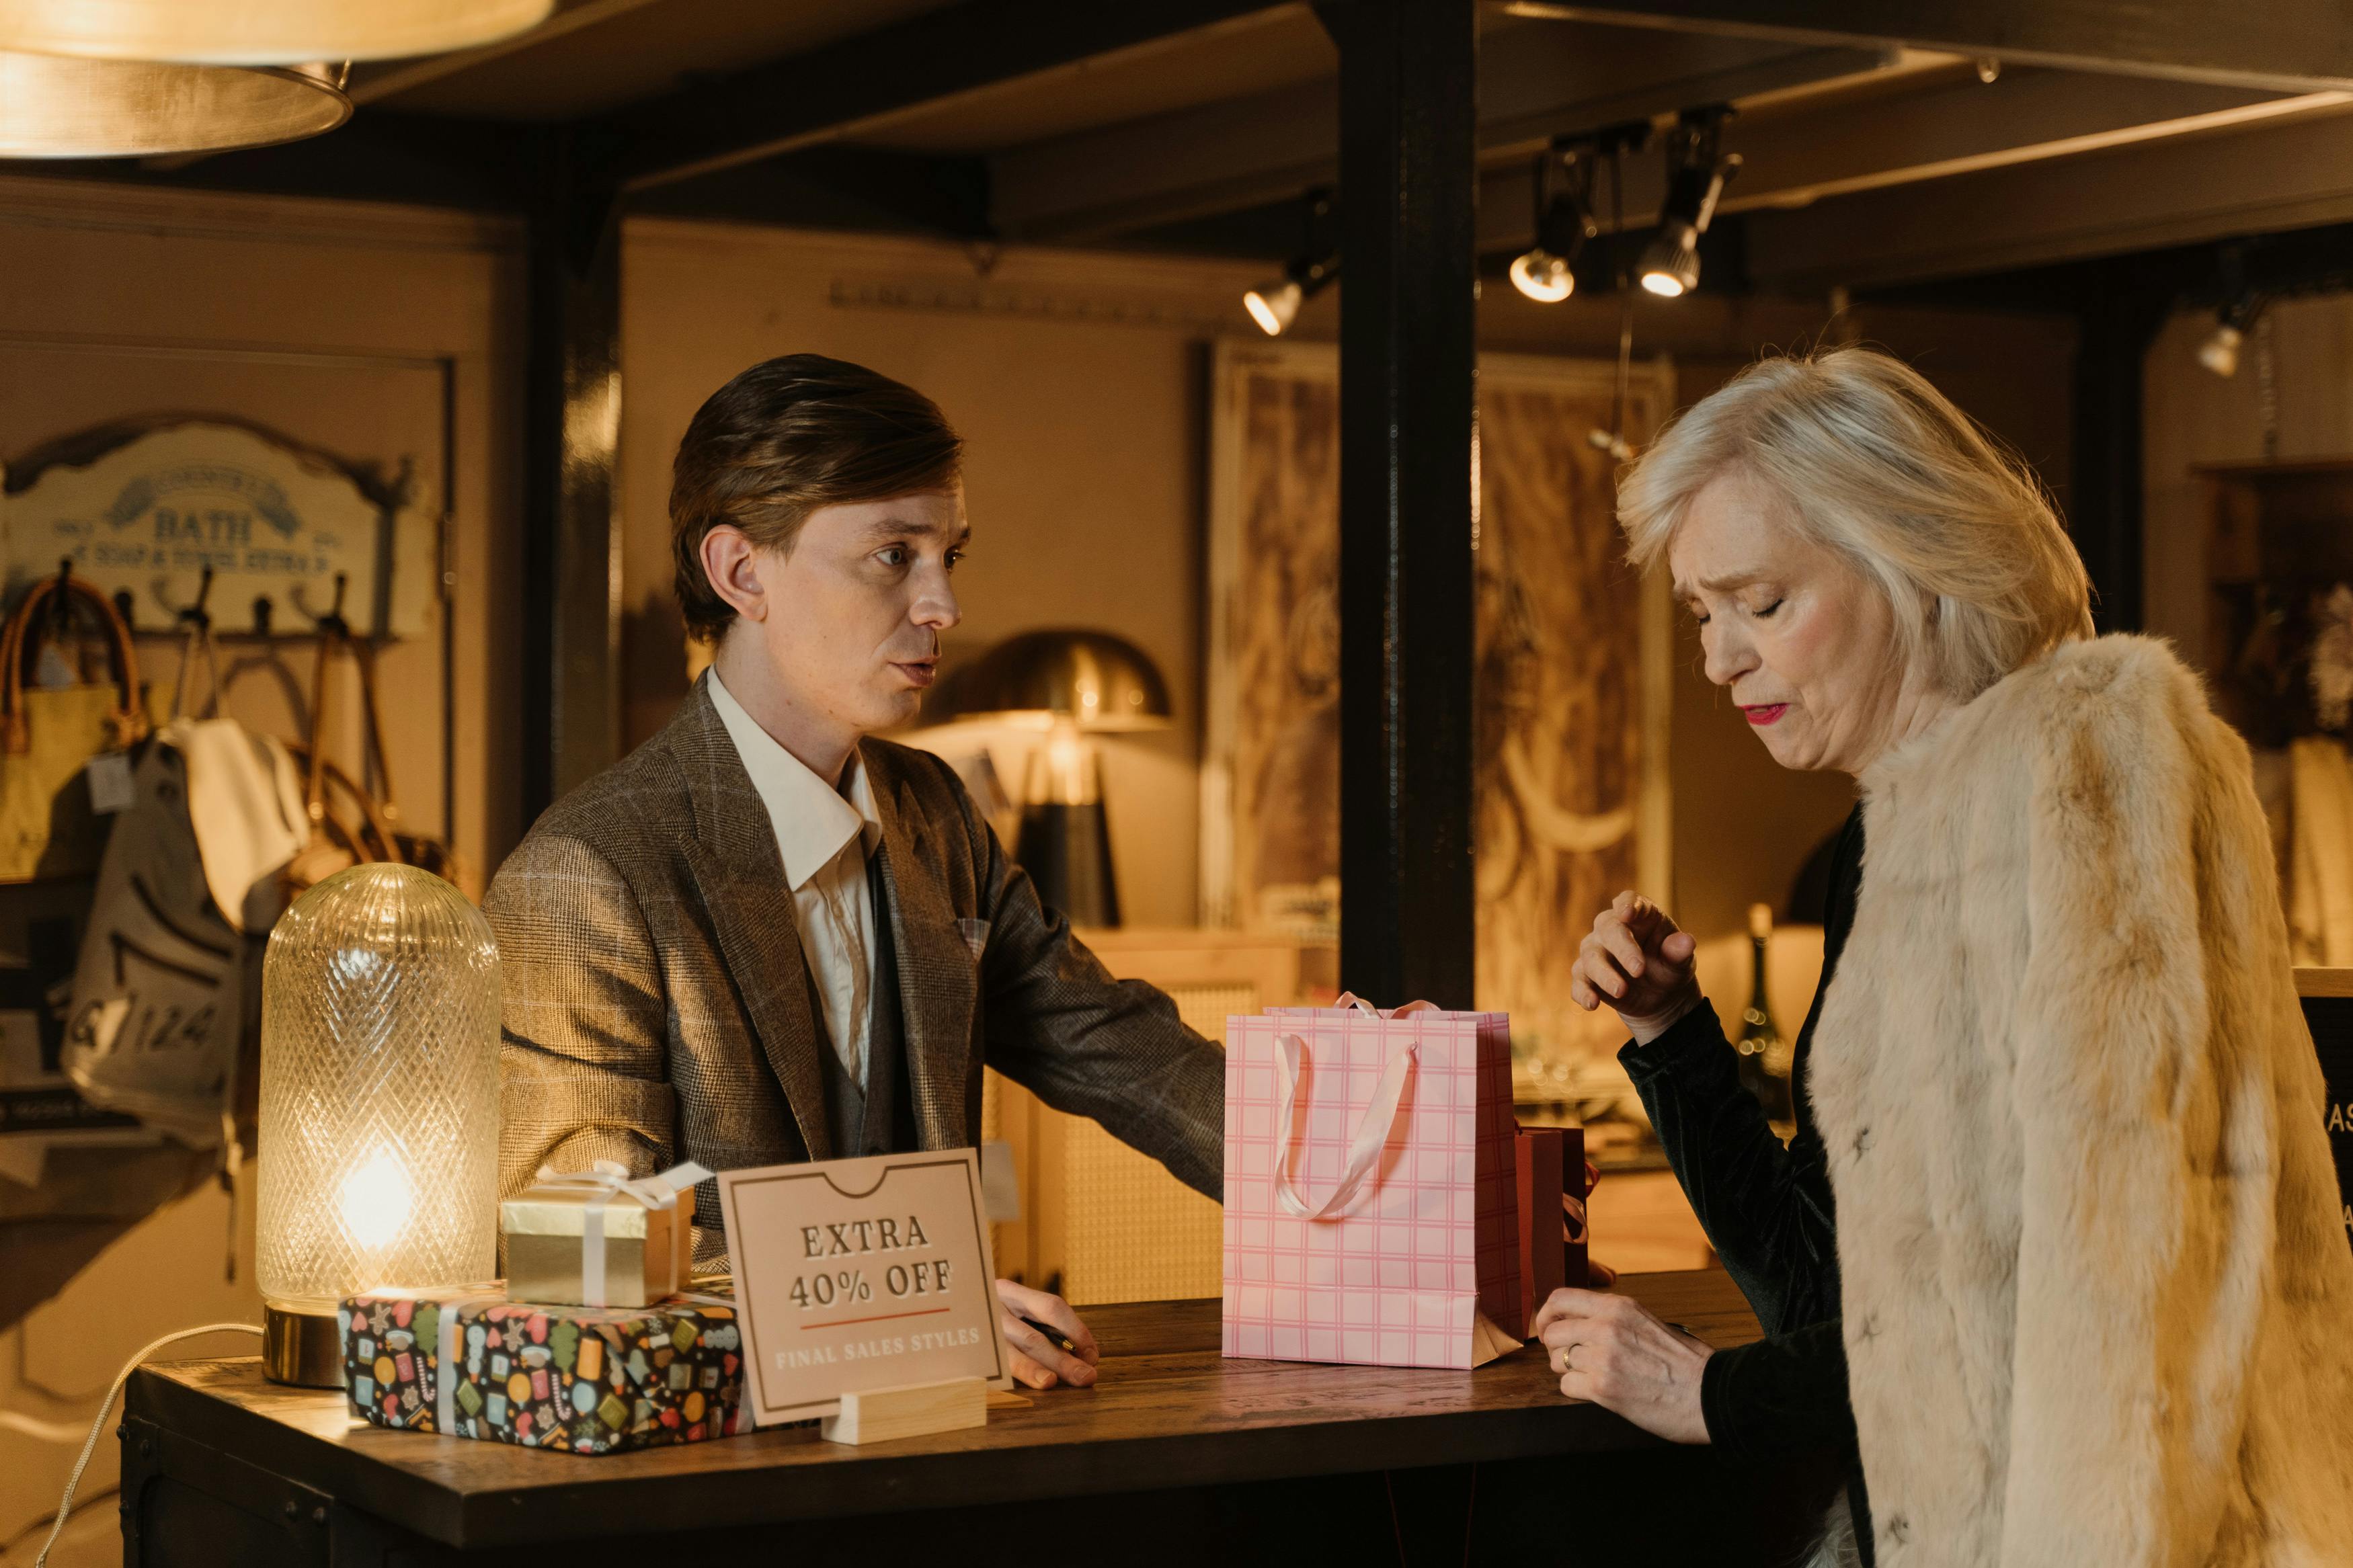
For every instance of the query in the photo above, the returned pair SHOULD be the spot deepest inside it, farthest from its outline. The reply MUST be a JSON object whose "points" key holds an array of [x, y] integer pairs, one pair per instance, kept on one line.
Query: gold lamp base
{"points": [[305, 1349]]}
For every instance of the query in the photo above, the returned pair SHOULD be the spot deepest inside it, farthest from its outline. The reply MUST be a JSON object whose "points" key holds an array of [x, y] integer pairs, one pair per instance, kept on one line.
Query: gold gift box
{"points": [[646, 1250]]}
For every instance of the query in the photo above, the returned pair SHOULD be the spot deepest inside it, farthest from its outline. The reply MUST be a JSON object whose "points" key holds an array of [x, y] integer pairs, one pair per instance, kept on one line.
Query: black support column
{"points": [[2118, 324], [572, 511], [1409, 94]]}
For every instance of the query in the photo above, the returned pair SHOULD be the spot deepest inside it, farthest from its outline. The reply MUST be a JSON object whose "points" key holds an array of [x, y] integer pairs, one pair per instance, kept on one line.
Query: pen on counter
{"points": [[1053, 1336]]}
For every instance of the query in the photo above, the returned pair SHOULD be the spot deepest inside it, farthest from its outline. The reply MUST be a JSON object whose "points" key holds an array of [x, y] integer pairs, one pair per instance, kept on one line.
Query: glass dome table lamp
{"points": [[379, 1130]]}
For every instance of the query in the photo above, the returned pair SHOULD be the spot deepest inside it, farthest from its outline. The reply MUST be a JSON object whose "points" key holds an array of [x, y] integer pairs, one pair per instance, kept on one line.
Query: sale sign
{"points": [[860, 1274]]}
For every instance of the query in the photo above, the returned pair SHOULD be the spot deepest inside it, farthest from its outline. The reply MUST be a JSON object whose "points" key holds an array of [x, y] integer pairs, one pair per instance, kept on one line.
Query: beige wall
{"points": [[2193, 417], [1076, 379], [337, 322], [340, 323], [1743, 827]]}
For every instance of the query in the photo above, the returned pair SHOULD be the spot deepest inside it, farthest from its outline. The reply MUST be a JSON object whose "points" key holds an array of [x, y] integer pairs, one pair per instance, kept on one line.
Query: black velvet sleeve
{"points": [[1766, 1210], [1779, 1396]]}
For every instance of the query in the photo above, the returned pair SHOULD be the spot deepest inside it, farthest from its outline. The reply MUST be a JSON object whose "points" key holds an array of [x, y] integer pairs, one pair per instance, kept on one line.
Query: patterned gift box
{"points": [[591, 1380]]}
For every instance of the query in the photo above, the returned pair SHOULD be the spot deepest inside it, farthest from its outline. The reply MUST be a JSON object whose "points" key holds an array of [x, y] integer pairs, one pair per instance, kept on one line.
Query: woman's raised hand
{"points": [[1637, 961]]}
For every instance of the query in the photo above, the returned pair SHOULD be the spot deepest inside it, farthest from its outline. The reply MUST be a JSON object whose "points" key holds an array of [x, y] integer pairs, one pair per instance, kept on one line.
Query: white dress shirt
{"points": [[825, 836]]}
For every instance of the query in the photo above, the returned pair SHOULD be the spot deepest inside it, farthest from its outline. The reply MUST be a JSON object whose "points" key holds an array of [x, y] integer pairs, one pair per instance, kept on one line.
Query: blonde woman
{"points": [[2059, 1223]]}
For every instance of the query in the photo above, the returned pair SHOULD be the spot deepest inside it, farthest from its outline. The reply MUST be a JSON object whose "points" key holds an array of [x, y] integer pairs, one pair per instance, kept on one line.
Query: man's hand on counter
{"points": [[1038, 1361]]}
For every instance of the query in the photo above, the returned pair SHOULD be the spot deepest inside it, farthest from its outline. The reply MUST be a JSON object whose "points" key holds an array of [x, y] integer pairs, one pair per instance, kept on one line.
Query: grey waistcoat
{"points": [[879, 1118]]}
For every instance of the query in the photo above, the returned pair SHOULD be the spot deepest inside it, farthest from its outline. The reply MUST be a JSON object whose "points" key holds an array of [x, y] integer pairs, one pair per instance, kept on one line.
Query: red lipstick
{"points": [[1770, 713]]}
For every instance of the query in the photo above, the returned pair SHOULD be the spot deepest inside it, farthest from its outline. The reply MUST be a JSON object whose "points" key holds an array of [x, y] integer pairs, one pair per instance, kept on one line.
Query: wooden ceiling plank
{"points": [[2177, 191], [864, 81], [1219, 157], [2287, 45], [374, 80], [1947, 129]]}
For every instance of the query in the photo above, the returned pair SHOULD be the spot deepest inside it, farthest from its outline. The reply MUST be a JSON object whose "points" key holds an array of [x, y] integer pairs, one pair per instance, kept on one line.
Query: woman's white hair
{"points": [[1855, 451]]}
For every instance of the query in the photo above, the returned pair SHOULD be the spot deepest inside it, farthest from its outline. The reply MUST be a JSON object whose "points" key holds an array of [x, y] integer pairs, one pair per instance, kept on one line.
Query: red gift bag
{"points": [[1552, 1171]]}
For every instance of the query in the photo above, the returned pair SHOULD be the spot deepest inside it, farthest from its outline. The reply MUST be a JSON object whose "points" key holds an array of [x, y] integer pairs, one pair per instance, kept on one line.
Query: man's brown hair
{"points": [[785, 437]]}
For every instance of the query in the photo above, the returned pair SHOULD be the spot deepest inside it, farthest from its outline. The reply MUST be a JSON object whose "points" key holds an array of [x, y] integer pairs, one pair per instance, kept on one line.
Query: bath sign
{"points": [[860, 1274], [147, 507]]}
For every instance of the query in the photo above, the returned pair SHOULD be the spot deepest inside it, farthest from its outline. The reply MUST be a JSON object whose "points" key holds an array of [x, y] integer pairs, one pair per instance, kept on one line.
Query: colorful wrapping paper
{"points": [[591, 1380]]}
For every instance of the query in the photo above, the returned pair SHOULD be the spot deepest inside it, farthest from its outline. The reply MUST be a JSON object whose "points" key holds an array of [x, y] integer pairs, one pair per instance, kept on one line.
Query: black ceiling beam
{"points": [[837, 186], [425, 159], [2291, 44], [827, 92]]}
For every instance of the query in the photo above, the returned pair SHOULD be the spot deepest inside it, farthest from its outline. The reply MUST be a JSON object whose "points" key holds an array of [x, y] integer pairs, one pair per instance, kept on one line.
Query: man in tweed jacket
{"points": [[665, 1000]]}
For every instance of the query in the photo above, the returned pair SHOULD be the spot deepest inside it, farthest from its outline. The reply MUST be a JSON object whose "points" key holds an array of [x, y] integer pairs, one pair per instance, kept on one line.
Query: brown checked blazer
{"points": [[657, 1008]]}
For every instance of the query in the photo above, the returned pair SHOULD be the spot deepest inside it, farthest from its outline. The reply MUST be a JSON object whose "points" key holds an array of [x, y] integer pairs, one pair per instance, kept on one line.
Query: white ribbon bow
{"points": [[604, 1182]]}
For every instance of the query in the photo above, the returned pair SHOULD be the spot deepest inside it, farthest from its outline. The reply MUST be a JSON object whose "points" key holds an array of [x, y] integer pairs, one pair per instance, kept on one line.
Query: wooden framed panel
{"points": [[1574, 670]]}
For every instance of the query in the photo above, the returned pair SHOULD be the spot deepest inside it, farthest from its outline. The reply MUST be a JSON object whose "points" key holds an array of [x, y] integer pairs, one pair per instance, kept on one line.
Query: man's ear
{"points": [[730, 560]]}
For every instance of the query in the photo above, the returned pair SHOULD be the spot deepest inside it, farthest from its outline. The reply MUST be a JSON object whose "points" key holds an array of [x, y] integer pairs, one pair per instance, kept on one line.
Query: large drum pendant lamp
{"points": [[57, 106], [261, 32]]}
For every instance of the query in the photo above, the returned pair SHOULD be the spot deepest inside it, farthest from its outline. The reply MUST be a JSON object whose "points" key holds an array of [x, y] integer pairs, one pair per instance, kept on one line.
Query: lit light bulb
{"points": [[1275, 305], [1543, 275], [2219, 352], [1665, 285], [377, 1198]]}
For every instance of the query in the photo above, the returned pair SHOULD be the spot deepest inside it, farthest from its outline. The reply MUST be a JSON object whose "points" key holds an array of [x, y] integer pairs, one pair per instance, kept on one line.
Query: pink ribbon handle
{"points": [[1350, 999], [1365, 1145]]}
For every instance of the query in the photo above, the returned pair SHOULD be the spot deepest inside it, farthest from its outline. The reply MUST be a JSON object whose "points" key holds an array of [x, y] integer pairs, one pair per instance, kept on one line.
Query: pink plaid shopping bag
{"points": [[1371, 1211]]}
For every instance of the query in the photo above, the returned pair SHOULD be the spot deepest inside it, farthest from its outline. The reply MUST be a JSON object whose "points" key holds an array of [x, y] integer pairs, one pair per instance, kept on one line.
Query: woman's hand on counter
{"points": [[1636, 960], [1611, 1350], [1038, 1361]]}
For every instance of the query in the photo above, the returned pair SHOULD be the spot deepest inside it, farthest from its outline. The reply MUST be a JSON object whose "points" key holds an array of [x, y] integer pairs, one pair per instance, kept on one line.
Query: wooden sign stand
{"points": [[879, 1415]]}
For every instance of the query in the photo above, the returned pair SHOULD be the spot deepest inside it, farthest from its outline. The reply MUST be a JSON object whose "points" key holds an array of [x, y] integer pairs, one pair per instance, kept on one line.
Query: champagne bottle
{"points": [[1763, 1056]]}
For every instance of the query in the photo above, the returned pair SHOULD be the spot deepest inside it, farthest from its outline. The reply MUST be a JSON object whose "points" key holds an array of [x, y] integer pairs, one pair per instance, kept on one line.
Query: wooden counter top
{"points": [[1169, 1411]]}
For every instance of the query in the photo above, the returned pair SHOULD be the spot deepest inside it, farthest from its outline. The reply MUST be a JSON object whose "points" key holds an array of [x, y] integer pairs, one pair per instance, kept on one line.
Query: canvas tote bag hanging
{"points": [[166, 995], [50, 826], [1371, 1187]]}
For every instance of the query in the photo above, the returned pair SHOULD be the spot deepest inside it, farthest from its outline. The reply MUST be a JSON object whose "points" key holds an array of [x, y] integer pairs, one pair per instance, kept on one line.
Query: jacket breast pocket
{"points": [[975, 936]]}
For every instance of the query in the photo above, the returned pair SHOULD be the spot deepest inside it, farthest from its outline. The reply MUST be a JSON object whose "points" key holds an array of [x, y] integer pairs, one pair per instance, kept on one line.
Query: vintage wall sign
{"points": [[2331, 1021], [147, 506], [860, 1274]]}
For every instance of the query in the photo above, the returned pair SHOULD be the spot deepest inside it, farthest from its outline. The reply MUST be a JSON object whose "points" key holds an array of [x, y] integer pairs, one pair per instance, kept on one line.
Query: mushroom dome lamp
{"points": [[1072, 684], [379, 1129]]}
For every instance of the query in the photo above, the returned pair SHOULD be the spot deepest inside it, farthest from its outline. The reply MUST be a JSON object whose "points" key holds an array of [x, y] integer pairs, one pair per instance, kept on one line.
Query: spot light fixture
{"points": [[1545, 271], [1274, 304], [2220, 352], [1696, 170]]}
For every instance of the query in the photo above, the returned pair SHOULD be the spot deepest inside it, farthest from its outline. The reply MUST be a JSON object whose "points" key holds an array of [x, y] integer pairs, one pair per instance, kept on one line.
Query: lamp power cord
{"points": [[114, 1392]]}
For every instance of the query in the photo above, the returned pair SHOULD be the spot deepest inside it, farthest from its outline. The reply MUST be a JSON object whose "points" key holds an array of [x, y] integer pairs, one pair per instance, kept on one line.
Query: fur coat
{"points": [[2098, 1295]]}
